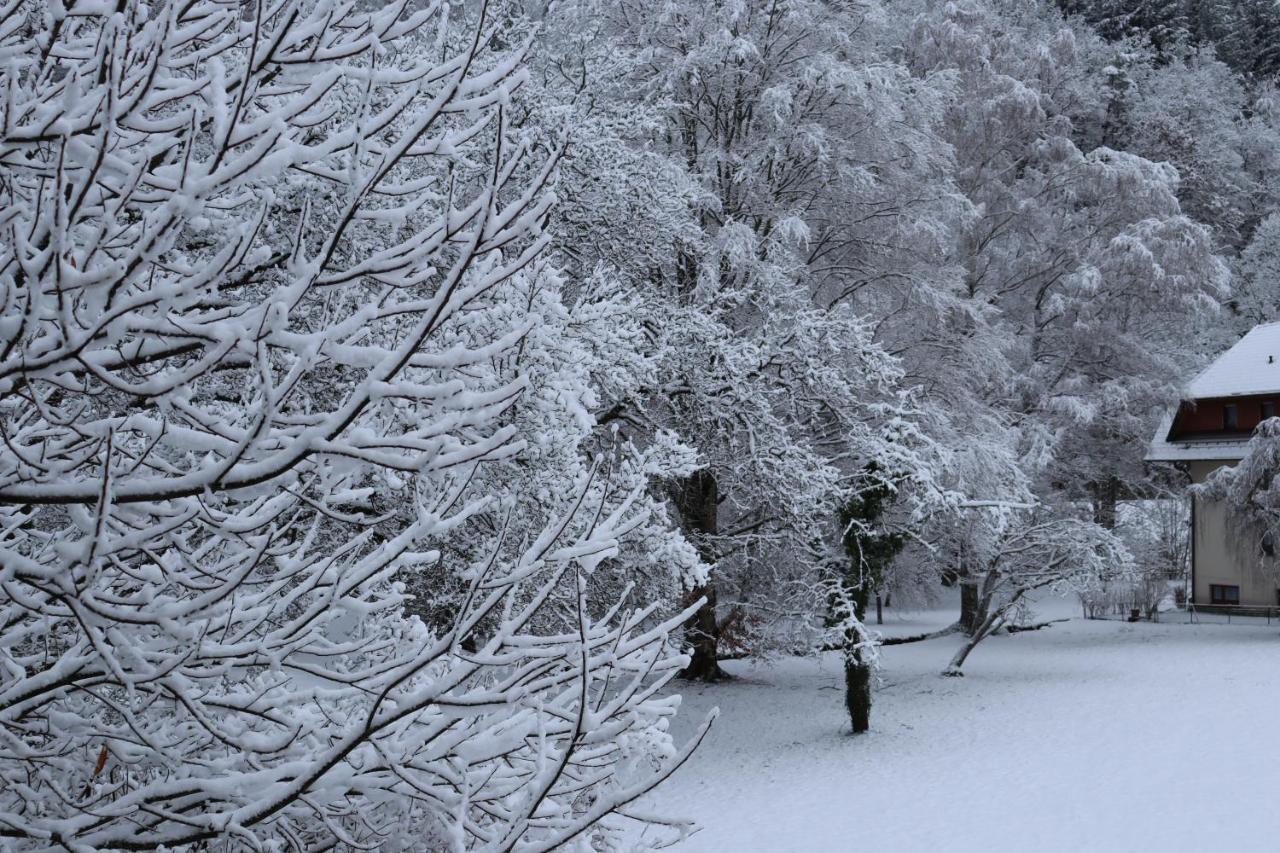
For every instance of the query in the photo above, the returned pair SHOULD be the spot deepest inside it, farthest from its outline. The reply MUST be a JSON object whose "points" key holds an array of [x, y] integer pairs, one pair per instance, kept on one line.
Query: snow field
{"points": [[1097, 736]]}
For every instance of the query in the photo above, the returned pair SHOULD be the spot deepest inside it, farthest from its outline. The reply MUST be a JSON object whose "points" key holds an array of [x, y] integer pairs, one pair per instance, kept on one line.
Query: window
{"points": [[1268, 409], [1230, 416], [1220, 594]]}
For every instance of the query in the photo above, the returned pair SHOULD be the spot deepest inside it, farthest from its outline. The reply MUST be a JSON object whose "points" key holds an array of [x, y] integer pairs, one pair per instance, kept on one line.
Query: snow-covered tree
{"points": [[871, 549], [1245, 33], [1193, 114], [1256, 291], [1041, 549], [1081, 264], [274, 316], [790, 204]]}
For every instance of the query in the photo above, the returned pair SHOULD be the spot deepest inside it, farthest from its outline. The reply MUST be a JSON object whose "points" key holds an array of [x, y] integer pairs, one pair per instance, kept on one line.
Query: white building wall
{"points": [[1218, 558]]}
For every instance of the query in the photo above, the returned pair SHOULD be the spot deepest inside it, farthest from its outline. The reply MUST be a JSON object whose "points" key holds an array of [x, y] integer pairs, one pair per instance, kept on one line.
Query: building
{"points": [[1211, 428]]}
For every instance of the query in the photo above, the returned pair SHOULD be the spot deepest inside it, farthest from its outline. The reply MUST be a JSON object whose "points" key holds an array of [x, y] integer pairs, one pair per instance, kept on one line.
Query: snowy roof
{"points": [[1252, 366], [1195, 449]]}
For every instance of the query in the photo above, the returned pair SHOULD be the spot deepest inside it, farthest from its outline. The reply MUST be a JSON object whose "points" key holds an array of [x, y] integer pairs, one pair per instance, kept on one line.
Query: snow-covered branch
{"points": [[257, 271]]}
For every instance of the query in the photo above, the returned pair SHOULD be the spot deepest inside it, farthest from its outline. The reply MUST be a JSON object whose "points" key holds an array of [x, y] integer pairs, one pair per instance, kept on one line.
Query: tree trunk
{"points": [[702, 633], [857, 691], [990, 620], [857, 669], [970, 598], [697, 501], [983, 630], [953, 668], [1105, 496], [879, 610]]}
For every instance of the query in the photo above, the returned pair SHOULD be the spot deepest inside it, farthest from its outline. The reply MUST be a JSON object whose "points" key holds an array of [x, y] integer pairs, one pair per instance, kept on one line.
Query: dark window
{"points": [[1268, 409], [1230, 417], [1220, 594]]}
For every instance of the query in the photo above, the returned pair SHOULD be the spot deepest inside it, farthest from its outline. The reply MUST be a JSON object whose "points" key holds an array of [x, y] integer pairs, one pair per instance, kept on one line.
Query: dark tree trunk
{"points": [[879, 610], [1105, 496], [857, 669], [702, 633], [697, 500], [857, 691], [970, 618]]}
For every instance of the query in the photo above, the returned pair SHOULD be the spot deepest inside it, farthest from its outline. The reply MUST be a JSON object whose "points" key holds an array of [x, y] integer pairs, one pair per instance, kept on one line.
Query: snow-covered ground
{"points": [[1098, 736]]}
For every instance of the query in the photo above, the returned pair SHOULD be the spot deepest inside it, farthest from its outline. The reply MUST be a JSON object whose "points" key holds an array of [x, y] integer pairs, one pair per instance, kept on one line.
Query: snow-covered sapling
{"points": [[1044, 549]]}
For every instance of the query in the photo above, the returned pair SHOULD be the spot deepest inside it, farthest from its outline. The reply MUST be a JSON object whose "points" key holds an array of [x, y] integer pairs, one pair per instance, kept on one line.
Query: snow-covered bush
{"points": [[1156, 534], [270, 273], [1097, 602]]}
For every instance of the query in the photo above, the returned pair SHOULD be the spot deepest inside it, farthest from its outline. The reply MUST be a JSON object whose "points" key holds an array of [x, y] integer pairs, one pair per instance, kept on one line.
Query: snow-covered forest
{"points": [[402, 404]]}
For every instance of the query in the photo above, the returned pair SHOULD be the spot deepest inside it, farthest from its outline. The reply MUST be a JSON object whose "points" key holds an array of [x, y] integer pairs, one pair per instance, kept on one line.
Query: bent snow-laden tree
{"points": [[254, 257], [1022, 553]]}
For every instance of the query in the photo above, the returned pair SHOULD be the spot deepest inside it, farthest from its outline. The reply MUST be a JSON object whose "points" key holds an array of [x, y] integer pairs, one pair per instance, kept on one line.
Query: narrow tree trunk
{"points": [[991, 619], [981, 633], [697, 500], [879, 610], [857, 669], [857, 691], [953, 668], [970, 617]]}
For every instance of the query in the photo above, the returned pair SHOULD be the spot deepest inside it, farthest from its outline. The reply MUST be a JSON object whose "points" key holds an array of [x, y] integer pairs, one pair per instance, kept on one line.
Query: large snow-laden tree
{"points": [[1196, 115], [783, 173], [259, 262], [1089, 275]]}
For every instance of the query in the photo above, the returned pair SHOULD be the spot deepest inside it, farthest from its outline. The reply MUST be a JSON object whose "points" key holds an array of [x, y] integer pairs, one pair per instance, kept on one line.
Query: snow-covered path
{"points": [[1098, 736]]}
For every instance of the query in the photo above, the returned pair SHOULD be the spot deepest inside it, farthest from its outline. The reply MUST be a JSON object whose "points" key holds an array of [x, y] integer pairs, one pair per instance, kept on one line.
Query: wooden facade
{"points": [[1222, 417]]}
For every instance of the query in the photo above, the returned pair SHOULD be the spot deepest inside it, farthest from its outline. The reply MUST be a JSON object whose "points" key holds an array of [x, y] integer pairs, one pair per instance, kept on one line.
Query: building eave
{"points": [[1196, 451], [1163, 449]]}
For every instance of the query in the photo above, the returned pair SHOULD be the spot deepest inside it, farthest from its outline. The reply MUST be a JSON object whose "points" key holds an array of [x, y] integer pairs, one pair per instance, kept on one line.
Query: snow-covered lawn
{"points": [[1098, 736]]}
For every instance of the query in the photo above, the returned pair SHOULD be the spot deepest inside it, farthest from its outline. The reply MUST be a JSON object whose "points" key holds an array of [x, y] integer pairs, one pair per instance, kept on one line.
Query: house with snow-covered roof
{"points": [[1211, 428]]}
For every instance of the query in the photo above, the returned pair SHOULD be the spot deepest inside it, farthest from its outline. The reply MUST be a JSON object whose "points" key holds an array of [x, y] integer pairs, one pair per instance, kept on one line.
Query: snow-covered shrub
{"points": [[1156, 534], [1098, 602], [273, 314]]}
